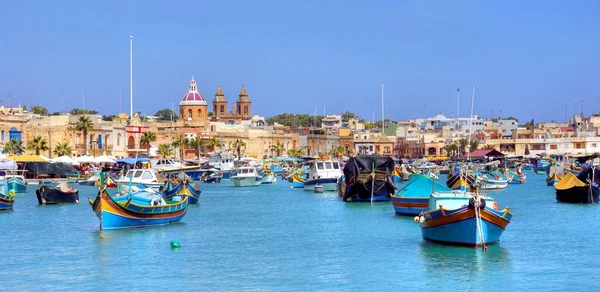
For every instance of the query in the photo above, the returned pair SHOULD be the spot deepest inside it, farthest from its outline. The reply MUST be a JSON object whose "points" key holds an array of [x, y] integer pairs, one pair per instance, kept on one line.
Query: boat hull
{"points": [[191, 191], [6, 202], [552, 180], [18, 186], [329, 184], [460, 182], [494, 184], [578, 195], [113, 215], [268, 179], [459, 227], [409, 206], [50, 196], [297, 182], [247, 181]]}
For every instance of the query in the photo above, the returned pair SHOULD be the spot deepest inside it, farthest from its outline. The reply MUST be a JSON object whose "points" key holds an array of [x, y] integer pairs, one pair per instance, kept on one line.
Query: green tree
{"points": [[488, 147], [146, 139], [277, 148], [474, 145], [198, 144], [165, 150], [38, 144], [238, 144], [165, 114], [62, 149], [84, 124], [180, 142], [109, 118], [347, 115], [77, 111], [14, 146], [214, 142], [451, 149], [462, 146], [39, 110]]}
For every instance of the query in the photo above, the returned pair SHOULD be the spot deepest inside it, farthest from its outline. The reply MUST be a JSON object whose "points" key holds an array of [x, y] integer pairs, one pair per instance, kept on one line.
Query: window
{"points": [[118, 139], [320, 165], [245, 110], [328, 165], [2, 138], [594, 145], [147, 175], [199, 113], [336, 165], [222, 110], [137, 174], [189, 113]]}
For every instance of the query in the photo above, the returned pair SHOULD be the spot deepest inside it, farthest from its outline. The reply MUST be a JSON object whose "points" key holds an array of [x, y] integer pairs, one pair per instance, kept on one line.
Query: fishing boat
{"points": [[182, 187], [515, 176], [397, 174], [460, 181], [527, 166], [224, 162], [323, 173], [16, 182], [211, 176], [491, 180], [7, 197], [246, 176], [60, 194], [148, 177], [553, 179], [298, 179], [461, 218], [541, 166], [579, 189], [574, 170], [267, 176], [90, 181], [368, 179], [413, 197], [135, 207]]}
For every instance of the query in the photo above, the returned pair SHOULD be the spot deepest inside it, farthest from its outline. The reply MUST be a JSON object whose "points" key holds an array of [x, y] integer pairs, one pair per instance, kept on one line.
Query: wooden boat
{"points": [[110, 182], [574, 170], [579, 189], [298, 179], [211, 176], [515, 177], [61, 194], [17, 183], [413, 197], [461, 218], [136, 208], [491, 180], [460, 181], [267, 176], [527, 166], [7, 197], [186, 188], [397, 174], [553, 179], [368, 179]]}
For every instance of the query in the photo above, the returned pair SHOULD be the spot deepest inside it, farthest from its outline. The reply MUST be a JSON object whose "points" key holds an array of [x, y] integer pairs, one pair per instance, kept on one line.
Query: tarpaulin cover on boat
{"points": [[568, 181], [588, 173], [358, 173], [420, 186], [36, 168]]}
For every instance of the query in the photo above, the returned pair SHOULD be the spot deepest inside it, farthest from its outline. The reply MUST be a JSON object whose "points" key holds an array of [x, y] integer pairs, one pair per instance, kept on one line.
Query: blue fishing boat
{"points": [[267, 176], [185, 188], [515, 176], [574, 170], [460, 181], [7, 197], [298, 179], [16, 183], [368, 179], [397, 174], [136, 208], [461, 218], [413, 197], [212, 176], [527, 166], [553, 179], [491, 180]]}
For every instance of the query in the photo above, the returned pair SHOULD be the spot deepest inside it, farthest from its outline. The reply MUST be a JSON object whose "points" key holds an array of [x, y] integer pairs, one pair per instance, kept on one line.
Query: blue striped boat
{"points": [[16, 183], [514, 177], [185, 188], [452, 218], [413, 197], [7, 197], [460, 181]]}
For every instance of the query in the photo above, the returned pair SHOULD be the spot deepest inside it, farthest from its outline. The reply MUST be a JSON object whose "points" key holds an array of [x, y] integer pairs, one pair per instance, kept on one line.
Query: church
{"points": [[193, 107]]}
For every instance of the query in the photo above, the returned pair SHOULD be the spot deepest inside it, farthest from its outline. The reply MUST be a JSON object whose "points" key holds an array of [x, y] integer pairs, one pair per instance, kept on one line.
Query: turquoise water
{"points": [[276, 238]]}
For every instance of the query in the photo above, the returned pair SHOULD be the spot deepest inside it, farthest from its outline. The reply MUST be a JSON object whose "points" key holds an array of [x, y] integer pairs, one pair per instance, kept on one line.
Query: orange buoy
{"points": [[495, 206]]}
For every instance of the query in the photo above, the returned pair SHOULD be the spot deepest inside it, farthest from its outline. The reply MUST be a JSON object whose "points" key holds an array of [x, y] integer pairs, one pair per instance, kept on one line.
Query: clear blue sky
{"points": [[523, 56]]}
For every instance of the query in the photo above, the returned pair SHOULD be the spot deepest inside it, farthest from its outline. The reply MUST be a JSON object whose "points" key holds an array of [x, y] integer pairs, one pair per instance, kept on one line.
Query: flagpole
{"points": [[130, 77]]}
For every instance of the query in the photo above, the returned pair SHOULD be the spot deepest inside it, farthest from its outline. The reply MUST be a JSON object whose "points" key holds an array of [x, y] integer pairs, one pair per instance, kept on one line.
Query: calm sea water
{"points": [[276, 238]]}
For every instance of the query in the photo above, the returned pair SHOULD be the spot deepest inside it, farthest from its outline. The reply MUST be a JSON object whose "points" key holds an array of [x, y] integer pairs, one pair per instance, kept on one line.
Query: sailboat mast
{"points": [[382, 113], [130, 77], [471, 123], [458, 109]]}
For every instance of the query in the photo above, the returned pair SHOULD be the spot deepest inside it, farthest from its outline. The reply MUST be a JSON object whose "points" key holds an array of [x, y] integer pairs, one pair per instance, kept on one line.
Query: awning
{"points": [[26, 158]]}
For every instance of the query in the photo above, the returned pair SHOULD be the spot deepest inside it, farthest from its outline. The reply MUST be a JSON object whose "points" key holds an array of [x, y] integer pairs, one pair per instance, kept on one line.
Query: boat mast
{"points": [[130, 77], [471, 124], [382, 113]]}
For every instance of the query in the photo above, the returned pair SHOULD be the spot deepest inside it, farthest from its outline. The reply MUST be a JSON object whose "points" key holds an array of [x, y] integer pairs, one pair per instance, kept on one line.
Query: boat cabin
{"points": [[245, 171]]}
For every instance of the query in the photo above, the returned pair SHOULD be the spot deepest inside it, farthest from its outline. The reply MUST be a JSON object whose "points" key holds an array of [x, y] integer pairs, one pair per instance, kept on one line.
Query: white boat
{"points": [[246, 177], [148, 177], [267, 176], [324, 173], [223, 162]]}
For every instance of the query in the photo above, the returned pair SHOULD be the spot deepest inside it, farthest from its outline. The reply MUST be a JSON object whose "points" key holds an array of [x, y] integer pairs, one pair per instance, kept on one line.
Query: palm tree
{"points": [[488, 147], [277, 148], [14, 146], [449, 149], [337, 151], [238, 144], [180, 142], [146, 139], [213, 143], [474, 145], [164, 150], [84, 124], [62, 149], [197, 144], [38, 144], [462, 145]]}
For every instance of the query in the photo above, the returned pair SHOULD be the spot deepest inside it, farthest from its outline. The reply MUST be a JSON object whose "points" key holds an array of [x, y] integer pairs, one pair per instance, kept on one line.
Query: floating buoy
{"points": [[175, 244], [421, 219], [416, 219]]}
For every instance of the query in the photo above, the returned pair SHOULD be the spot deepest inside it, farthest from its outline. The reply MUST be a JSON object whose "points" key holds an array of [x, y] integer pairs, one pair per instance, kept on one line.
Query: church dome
{"points": [[193, 97]]}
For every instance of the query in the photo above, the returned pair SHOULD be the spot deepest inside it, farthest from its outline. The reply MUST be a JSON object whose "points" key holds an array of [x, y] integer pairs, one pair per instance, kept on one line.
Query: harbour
{"points": [[274, 237]]}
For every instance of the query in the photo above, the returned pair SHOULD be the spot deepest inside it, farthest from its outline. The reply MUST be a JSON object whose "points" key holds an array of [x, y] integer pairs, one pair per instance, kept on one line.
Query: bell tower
{"points": [[219, 104], [243, 105]]}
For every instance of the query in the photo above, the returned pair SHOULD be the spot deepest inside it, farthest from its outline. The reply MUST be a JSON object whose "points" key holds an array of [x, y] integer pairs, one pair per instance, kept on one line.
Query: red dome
{"points": [[193, 97]]}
